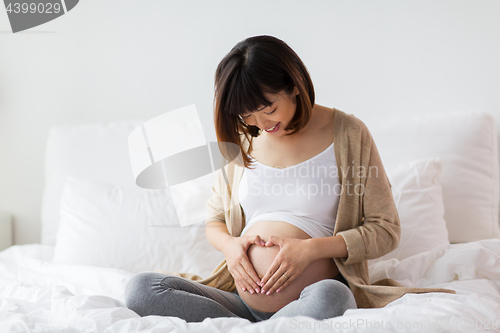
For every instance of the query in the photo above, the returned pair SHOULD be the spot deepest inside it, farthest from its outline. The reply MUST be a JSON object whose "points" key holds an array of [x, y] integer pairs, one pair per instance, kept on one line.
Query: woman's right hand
{"points": [[238, 263]]}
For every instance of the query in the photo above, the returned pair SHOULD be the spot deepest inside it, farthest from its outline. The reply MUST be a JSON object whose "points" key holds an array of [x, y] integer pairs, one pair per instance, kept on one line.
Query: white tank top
{"points": [[305, 195]]}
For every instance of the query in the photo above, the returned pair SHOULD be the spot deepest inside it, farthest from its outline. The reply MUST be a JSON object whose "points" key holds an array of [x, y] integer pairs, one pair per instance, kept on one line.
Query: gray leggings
{"points": [[151, 293]]}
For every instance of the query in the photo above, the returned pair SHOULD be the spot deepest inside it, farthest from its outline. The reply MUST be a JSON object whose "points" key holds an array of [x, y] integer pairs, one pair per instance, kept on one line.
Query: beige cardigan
{"points": [[367, 217]]}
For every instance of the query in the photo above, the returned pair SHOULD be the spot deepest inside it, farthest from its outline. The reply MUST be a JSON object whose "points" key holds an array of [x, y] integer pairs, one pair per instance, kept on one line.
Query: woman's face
{"points": [[278, 115]]}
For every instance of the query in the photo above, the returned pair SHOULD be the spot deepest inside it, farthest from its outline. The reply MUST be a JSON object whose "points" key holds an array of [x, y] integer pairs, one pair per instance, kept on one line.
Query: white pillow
{"points": [[131, 229], [418, 195], [96, 151], [467, 141]]}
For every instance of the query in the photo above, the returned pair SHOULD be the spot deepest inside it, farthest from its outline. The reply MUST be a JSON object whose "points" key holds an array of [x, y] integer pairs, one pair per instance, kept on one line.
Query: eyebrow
{"points": [[266, 106]]}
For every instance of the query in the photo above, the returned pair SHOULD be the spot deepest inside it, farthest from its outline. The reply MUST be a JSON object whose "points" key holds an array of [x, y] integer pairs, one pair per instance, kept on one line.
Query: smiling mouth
{"points": [[272, 128]]}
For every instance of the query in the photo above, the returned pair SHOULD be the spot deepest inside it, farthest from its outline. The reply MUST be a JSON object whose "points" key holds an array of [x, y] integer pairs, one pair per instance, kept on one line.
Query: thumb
{"points": [[273, 240], [259, 241]]}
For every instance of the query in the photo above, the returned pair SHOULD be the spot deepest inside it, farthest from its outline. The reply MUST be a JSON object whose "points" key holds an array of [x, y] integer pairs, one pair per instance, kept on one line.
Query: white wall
{"points": [[122, 59]]}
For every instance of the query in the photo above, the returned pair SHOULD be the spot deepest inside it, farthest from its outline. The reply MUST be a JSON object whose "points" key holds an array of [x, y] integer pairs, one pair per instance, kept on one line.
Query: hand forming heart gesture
{"points": [[290, 262]]}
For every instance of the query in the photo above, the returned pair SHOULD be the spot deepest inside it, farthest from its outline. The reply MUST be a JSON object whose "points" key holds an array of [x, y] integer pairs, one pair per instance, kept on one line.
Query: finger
{"points": [[245, 286], [270, 241], [272, 275], [277, 279], [238, 281], [278, 284], [284, 285], [250, 274], [269, 287], [273, 240], [244, 261], [259, 241], [269, 273]]}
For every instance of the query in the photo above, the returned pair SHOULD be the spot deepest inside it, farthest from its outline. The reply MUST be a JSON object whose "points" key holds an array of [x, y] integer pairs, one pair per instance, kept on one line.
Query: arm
{"points": [[326, 247], [217, 235], [379, 231], [233, 248]]}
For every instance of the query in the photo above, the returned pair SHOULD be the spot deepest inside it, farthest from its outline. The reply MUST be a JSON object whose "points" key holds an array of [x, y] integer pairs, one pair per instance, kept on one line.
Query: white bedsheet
{"points": [[39, 296]]}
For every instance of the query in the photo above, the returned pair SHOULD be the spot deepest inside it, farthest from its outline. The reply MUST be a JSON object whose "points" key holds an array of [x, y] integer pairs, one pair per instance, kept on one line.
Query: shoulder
{"points": [[348, 120], [350, 125]]}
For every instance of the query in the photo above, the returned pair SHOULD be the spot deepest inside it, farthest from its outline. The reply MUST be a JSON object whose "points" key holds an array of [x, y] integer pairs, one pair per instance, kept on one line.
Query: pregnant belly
{"points": [[262, 257]]}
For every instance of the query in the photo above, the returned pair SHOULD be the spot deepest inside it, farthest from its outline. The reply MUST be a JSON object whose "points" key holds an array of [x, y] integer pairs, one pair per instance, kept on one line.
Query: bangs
{"points": [[245, 94], [257, 67]]}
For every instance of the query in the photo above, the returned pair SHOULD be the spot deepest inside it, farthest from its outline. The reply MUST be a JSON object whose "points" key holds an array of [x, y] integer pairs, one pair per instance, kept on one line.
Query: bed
{"points": [[99, 229]]}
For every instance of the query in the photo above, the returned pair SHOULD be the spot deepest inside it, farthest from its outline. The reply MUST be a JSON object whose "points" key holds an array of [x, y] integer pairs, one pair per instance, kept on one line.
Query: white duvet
{"points": [[37, 295]]}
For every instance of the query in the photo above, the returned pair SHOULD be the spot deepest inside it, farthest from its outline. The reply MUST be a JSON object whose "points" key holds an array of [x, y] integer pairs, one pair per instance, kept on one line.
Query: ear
{"points": [[296, 91]]}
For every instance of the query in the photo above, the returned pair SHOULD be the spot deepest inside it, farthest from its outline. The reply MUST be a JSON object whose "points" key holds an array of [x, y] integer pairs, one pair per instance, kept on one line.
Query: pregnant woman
{"points": [[296, 213]]}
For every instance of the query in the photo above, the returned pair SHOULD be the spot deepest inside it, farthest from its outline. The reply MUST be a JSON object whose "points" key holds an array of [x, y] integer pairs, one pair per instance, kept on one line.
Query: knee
{"points": [[334, 295], [142, 290], [137, 288]]}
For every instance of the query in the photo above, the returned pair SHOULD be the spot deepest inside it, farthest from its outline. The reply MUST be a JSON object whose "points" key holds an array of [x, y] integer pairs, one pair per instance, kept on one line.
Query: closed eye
{"points": [[264, 112]]}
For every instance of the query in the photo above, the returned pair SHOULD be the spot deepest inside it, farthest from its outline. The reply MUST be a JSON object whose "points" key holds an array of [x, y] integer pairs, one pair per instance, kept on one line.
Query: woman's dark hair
{"points": [[256, 66]]}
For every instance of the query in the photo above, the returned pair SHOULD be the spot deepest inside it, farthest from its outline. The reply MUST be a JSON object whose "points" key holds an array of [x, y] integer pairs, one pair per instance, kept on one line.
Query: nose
{"points": [[259, 121]]}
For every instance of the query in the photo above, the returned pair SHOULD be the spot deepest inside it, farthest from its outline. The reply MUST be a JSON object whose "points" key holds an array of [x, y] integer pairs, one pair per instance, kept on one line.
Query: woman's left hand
{"points": [[290, 262]]}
